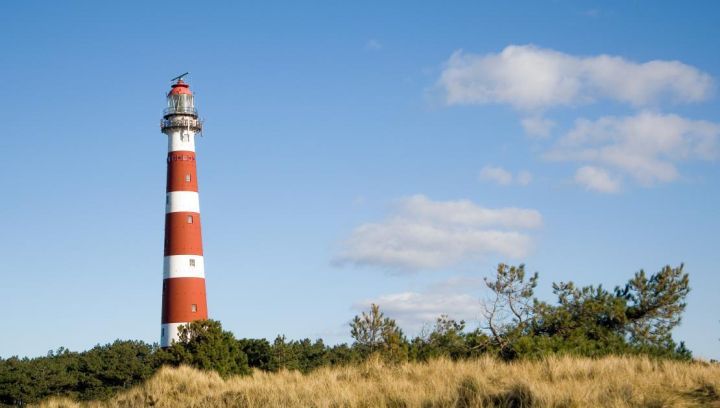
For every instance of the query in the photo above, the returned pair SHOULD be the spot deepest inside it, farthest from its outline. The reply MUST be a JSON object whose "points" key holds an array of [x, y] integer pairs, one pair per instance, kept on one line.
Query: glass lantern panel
{"points": [[181, 103]]}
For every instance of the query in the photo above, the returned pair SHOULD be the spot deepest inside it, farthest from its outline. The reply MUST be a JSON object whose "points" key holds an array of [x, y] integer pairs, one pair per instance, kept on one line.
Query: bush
{"points": [[259, 353], [95, 374], [205, 345]]}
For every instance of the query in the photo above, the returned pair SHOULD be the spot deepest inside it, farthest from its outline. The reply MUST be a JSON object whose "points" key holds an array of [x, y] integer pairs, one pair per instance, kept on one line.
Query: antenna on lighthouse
{"points": [[179, 77]]}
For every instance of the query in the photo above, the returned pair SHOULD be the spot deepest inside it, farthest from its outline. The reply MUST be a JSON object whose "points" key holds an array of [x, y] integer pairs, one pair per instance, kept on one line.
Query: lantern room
{"points": [[180, 99]]}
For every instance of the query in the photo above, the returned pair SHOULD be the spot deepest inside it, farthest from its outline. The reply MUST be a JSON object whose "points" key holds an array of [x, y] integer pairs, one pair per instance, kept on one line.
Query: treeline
{"points": [[636, 318]]}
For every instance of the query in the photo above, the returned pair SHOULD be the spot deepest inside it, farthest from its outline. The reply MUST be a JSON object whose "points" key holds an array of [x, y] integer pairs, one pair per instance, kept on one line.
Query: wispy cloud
{"points": [[533, 78], [373, 44], [645, 147], [414, 310], [537, 126], [499, 175], [596, 179], [426, 234], [496, 175], [524, 177]]}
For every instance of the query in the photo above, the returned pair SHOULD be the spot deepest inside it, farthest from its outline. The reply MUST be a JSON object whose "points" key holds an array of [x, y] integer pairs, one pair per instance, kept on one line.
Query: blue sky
{"points": [[354, 153]]}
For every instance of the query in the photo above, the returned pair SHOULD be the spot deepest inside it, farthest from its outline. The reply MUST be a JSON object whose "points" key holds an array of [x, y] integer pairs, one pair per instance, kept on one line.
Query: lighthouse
{"points": [[183, 293]]}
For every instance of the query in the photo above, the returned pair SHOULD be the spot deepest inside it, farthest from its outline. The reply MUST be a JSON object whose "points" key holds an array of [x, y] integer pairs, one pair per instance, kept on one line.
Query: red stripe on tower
{"points": [[184, 298]]}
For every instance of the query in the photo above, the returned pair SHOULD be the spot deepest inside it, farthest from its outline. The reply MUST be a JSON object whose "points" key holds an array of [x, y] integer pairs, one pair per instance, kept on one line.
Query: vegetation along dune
{"points": [[483, 382]]}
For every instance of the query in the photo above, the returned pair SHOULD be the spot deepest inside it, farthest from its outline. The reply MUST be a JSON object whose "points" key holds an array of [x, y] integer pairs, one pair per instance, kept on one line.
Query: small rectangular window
{"points": [[187, 178], [193, 308], [190, 219], [162, 332], [192, 262]]}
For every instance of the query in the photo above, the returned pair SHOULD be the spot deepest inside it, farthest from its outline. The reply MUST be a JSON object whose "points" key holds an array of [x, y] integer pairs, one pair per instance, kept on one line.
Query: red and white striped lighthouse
{"points": [[183, 272]]}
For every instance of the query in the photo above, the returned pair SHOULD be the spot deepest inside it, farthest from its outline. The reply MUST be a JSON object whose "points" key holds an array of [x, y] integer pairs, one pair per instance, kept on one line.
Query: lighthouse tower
{"points": [[183, 297]]}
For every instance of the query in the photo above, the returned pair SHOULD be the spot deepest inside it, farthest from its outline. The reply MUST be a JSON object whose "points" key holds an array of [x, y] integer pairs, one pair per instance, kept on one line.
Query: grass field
{"points": [[554, 382]]}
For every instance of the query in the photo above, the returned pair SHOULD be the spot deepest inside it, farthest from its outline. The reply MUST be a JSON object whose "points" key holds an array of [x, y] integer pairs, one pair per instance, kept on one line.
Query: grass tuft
{"points": [[517, 396], [468, 393]]}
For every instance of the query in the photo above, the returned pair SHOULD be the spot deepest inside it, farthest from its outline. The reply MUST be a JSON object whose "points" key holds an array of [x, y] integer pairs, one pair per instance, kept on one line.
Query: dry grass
{"points": [[554, 382]]}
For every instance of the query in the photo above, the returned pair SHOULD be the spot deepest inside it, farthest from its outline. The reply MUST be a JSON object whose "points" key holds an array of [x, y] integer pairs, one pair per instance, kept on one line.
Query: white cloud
{"points": [[532, 78], [524, 178], [426, 234], [504, 177], [466, 213], [596, 179], [373, 45], [646, 146], [496, 174], [413, 310], [455, 283], [537, 126]]}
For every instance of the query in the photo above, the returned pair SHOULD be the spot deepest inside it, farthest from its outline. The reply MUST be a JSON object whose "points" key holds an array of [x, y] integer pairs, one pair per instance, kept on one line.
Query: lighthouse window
{"points": [[187, 178], [192, 262], [193, 308], [162, 332], [190, 219]]}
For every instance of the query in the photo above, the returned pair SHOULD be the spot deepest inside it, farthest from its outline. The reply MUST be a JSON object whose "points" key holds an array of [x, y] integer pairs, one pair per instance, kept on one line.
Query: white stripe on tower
{"points": [[181, 140], [184, 266], [182, 201]]}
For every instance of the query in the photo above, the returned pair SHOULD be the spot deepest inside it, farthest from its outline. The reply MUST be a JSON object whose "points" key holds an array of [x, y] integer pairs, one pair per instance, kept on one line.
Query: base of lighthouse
{"points": [[169, 332], [184, 301]]}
